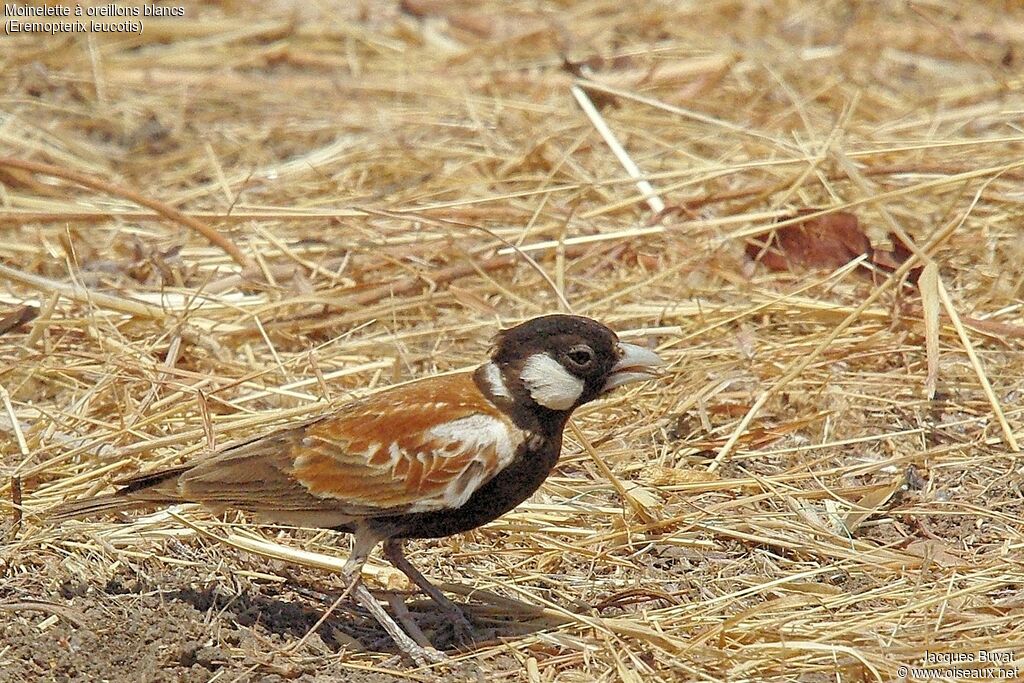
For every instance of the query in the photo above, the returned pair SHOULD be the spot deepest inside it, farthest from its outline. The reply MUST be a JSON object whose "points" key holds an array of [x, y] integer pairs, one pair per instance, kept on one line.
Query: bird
{"points": [[428, 459]]}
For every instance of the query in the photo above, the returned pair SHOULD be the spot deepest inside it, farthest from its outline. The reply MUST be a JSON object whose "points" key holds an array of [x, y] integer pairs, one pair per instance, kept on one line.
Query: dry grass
{"points": [[243, 214]]}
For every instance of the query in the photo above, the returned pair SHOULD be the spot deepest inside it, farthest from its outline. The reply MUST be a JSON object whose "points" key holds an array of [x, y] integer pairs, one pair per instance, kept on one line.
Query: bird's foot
{"points": [[451, 627], [461, 625]]}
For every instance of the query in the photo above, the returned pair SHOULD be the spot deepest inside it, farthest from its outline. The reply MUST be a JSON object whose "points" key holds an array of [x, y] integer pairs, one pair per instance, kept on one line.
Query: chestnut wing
{"points": [[424, 447]]}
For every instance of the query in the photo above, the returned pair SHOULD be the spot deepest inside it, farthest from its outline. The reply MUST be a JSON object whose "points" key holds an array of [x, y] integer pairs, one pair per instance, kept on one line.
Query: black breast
{"points": [[533, 462]]}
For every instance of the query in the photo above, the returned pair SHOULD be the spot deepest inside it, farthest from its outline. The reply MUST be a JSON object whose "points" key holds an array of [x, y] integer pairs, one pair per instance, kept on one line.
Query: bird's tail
{"points": [[112, 502], [141, 491]]}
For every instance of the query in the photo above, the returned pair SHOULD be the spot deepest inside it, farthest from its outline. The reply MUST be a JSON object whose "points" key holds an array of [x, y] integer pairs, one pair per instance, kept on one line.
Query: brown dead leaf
{"points": [[826, 241], [829, 241]]}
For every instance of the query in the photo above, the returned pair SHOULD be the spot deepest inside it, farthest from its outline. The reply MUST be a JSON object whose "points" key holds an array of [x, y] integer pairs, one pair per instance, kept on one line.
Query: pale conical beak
{"points": [[635, 364]]}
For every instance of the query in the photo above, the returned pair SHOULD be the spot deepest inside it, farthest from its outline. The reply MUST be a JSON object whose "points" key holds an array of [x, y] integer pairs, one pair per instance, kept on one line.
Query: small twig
{"points": [[40, 606], [928, 283], [161, 208], [986, 386], [646, 189], [579, 240], [82, 295], [15, 425], [45, 317], [323, 617], [204, 414], [21, 216], [16, 503], [413, 283], [404, 617], [685, 113], [609, 475]]}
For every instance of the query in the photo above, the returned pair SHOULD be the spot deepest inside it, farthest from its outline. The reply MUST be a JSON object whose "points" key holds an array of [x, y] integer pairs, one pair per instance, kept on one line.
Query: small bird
{"points": [[424, 460]]}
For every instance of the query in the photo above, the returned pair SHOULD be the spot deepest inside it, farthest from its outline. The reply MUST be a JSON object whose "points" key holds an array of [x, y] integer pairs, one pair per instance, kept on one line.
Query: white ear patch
{"points": [[549, 383], [496, 383]]}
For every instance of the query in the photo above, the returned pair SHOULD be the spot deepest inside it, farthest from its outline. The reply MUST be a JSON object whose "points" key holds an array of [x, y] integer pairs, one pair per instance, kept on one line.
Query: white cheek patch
{"points": [[549, 383], [496, 383]]}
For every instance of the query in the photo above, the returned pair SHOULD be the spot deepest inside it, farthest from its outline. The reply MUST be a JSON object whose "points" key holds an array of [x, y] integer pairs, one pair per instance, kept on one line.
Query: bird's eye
{"points": [[580, 356]]}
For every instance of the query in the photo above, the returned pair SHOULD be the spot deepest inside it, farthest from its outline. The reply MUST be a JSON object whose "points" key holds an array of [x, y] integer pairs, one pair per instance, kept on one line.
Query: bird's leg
{"points": [[364, 543], [396, 555]]}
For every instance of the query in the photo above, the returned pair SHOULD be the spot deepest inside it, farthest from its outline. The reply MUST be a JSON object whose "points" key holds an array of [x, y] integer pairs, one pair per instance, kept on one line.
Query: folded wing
{"points": [[409, 450]]}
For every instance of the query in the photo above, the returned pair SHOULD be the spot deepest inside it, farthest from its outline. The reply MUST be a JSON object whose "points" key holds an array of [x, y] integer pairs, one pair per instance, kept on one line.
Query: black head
{"points": [[559, 362]]}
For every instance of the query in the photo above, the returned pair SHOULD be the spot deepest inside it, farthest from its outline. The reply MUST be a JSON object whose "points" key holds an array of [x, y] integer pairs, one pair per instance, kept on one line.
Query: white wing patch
{"points": [[549, 383], [482, 437], [396, 454]]}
